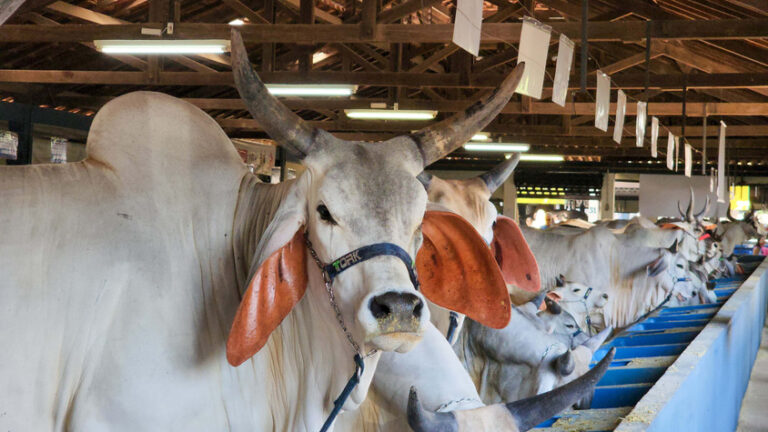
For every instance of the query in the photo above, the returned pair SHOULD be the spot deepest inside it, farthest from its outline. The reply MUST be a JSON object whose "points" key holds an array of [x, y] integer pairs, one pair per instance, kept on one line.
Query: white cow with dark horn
{"points": [[123, 274]]}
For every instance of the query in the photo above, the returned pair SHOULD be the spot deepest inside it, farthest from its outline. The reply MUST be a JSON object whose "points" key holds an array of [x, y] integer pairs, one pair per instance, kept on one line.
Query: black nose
{"points": [[396, 305]]}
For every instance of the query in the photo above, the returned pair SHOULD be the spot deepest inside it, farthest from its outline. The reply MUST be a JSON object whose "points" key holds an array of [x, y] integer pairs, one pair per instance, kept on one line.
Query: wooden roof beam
{"points": [[634, 81], [632, 31]]}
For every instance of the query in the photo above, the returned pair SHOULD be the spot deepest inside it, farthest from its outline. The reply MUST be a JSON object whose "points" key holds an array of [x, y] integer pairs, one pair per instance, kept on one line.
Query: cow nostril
{"points": [[605, 296], [379, 309], [417, 309]]}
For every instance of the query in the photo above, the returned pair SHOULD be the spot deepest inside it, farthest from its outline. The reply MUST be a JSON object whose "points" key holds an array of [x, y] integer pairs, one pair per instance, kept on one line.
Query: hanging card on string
{"points": [[621, 109], [9, 145], [687, 160], [654, 136], [562, 70], [677, 151], [721, 164], [670, 151], [641, 123], [534, 46], [466, 28], [603, 102], [58, 150]]}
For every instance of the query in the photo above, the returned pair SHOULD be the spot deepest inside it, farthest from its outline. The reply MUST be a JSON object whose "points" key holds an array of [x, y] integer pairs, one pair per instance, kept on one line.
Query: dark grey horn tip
{"points": [[421, 420]]}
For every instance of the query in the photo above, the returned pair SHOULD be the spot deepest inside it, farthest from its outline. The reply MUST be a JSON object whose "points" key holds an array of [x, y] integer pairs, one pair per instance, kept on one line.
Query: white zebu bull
{"points": [[584, 303], [433, 365], [123, 273], [733, 233]]}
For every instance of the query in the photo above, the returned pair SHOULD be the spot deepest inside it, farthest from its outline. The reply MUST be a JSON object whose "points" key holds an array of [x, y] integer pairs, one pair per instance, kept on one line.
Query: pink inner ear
{"points": [[517, 263], [278, 284]]}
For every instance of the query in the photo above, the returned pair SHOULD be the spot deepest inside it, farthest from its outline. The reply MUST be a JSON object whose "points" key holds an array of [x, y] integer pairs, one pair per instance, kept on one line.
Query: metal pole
{"points": [[704, 143]]}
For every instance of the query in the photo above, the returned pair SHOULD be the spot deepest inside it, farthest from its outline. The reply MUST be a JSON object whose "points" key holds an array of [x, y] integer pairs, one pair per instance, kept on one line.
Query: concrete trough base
{"points": [[681, 369]]}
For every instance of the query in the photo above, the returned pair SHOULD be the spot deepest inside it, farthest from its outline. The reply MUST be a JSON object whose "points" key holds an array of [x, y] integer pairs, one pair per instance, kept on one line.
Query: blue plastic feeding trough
{"points": [[680, 368]]}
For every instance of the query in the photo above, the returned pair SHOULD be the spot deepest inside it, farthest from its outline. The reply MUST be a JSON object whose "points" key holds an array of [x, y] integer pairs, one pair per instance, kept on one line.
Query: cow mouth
{"points": [[400, 341]]}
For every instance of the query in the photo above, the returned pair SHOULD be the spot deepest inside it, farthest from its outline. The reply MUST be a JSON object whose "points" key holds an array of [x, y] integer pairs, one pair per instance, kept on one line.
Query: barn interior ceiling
{"points": [[400, 52]]}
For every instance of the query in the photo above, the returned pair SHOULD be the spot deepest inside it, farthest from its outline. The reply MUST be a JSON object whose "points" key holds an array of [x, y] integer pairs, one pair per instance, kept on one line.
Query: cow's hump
{"points": [[144, 133]]}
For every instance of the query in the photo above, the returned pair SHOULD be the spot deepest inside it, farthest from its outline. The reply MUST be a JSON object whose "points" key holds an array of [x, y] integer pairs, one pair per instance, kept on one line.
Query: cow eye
{"points": [[576, 289], [325, 215], [570, 326]]}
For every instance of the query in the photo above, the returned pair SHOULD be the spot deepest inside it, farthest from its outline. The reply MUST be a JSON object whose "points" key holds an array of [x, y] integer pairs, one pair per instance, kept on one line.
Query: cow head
{"points": [[470, 198], [357, 194]]}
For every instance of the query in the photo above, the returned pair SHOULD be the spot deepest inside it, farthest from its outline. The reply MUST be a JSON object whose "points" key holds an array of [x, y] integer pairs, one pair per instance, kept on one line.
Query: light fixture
{"points": [[237, 22], [385, 114], [551, 201], [311, 89], [497, 147], [482, 136], [539, 157], [163, 46]]}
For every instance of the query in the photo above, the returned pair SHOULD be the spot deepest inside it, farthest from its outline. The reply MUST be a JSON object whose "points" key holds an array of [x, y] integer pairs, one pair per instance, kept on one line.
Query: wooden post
{"points": [[306, 16]]}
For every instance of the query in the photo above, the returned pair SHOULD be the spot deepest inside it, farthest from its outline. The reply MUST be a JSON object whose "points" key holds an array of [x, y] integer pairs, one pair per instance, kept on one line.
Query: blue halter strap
{"points": [[365, 253]]}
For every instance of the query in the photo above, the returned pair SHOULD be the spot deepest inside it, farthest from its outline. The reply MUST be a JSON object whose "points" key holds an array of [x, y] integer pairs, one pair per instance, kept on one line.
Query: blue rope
{"points": [[351, 384]]}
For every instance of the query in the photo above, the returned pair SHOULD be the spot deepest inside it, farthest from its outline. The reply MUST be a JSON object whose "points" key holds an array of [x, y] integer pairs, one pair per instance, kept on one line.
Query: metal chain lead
{"points": [[332, 298]]}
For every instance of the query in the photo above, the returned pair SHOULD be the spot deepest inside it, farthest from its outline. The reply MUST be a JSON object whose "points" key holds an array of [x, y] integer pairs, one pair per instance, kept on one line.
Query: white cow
{"points": [[432, 364], [122, 274], [584, 303]]}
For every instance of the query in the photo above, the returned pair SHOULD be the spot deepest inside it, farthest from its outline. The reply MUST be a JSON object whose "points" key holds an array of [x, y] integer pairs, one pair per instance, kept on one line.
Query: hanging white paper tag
{"points": [[687, 160], [670, 151], [642, 109], [9, 145], [562, 70], [469, 21], [58, 150], [621, 108], [534, 46], [721, 185], [603, 102], [654, 136]]}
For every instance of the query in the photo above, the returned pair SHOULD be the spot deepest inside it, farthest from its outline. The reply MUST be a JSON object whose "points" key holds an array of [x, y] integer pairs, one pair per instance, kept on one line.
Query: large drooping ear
{"points": [[517, 263], [279, 283], [457, 271], [278, 278]]}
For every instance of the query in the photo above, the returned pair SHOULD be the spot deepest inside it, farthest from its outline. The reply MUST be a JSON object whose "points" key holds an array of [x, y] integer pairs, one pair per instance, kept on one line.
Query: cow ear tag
{"points": [[458, 272], [278, 284], [513, 255]]}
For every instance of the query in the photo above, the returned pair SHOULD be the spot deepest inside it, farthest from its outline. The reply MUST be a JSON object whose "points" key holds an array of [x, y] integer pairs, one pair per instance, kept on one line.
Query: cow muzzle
{"points": [[394, 321]]}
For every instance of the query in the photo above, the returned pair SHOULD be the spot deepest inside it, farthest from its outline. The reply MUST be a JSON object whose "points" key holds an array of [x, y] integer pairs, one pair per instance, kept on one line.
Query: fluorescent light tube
{"points": [[311, 89], [497, 147], [384, 114], [479, 137], [162, 46], [237, 22], [540, 158]]}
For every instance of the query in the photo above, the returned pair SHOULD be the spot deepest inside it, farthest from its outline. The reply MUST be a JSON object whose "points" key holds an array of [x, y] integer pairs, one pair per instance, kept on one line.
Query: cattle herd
{"points": [[159, 286]]}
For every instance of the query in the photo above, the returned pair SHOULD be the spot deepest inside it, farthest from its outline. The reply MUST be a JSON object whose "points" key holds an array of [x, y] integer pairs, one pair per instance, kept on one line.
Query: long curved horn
{"points": [[524, 414], [499, 174], [595, 341], [703, 210], [564, 364], [282, 124], [689, 209], [425, 178], [438, 140]]}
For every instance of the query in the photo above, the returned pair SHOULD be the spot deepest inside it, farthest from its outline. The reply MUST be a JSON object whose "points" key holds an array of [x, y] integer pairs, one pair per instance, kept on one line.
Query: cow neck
{"points": [[315, 335]]}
